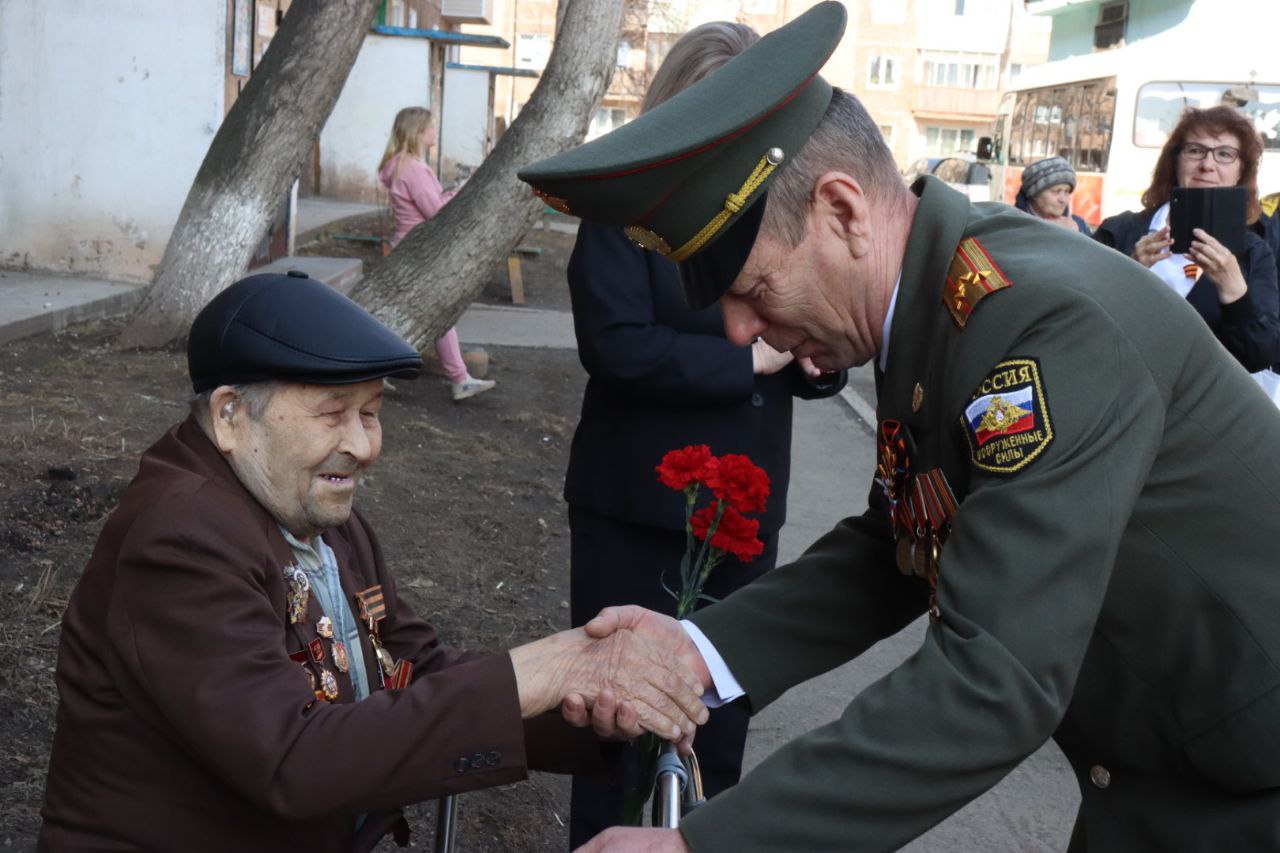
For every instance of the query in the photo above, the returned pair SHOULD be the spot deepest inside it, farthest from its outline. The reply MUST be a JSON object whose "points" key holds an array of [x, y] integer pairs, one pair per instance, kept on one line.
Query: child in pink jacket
{"points": [[416, 196]]}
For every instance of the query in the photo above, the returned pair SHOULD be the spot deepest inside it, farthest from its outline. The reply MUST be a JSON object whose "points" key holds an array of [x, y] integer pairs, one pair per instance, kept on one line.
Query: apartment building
{"points": [[930, 71]]}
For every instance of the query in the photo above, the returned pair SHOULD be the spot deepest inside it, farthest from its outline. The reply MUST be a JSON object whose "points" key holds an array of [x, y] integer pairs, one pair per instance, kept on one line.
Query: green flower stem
{"points": [[639, 772]]}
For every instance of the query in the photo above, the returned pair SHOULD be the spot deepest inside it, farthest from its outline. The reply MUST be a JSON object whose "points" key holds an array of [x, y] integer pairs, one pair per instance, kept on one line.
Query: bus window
{"points": [[1160, 105], [1073, 120]]}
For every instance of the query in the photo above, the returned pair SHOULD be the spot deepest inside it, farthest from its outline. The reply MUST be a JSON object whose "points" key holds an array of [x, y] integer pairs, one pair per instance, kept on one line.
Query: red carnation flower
{"points": [[680, 468], [735, 534], [741, 482]]}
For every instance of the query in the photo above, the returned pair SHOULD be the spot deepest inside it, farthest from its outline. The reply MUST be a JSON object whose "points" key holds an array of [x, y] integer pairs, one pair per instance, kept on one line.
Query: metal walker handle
{"points": [[678, 787]]}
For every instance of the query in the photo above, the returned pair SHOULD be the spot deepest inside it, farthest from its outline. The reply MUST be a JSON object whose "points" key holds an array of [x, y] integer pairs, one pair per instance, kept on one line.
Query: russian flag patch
{"points": [[1007, 420]]}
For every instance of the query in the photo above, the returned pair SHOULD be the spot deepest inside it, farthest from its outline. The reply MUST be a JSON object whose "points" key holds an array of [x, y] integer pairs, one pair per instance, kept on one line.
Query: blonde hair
{"points": [[697, 53], [406, 136]]}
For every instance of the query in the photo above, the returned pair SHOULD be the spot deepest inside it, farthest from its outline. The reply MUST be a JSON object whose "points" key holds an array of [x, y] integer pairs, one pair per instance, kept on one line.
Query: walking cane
{"points": [[678, 788], [446, 816]]}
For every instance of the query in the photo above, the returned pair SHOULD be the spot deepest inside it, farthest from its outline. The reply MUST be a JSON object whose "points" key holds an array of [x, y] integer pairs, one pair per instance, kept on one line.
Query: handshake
{"points": [[627, 671]]}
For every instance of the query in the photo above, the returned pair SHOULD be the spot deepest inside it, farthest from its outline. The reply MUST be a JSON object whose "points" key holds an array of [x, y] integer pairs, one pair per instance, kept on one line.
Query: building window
{"points": [[959, 7], [961, 71], [940, 141], [606, 119], [533, 51], [882, 72], [624, 54], [886, 130], [1112, 18]]}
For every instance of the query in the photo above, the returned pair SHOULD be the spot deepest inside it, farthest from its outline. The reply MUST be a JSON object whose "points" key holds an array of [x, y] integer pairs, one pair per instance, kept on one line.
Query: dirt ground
{"points": [[466, 499]]}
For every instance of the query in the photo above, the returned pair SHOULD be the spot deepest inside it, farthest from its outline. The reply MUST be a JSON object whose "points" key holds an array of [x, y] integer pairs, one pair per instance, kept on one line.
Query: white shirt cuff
{"points": [[724, 687]]}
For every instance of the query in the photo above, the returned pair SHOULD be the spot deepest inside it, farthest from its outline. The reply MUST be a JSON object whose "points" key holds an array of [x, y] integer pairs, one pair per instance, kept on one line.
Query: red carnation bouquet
{"points": [[718, 528], [737, 486]]}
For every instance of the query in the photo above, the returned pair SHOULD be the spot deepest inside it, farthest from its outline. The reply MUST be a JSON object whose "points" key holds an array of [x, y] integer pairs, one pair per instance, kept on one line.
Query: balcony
{"points": [[947, 102]]}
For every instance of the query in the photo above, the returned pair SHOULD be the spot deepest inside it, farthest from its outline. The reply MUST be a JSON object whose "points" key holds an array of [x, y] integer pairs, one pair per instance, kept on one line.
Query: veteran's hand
{"points": [[633, 839], [650, 688], [1153, 247], [1219, 264]]}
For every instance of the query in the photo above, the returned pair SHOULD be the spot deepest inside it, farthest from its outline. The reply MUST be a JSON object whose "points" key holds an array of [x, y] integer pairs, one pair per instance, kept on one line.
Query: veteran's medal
{"points": [[400, 679], [385, 660], [371, 605], [328, 685], [340, 659], [299, 593], [325, 627]]}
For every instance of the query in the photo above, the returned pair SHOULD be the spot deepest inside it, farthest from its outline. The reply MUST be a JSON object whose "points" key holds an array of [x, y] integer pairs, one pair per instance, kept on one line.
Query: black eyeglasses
{"points": [[1224, 154]]}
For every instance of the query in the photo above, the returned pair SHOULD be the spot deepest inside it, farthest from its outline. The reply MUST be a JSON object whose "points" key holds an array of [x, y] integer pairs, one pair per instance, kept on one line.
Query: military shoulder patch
{"points": [[1007, 421], [971, 277]]}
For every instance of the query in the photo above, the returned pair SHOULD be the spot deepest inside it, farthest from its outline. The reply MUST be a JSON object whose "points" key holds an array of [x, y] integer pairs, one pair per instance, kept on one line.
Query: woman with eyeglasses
{"points": [[1236, 294]]}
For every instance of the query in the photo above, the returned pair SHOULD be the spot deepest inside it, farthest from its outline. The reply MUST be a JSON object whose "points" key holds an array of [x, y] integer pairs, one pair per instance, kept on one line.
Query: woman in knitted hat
{"points": [[1046, 193], [1236, 294]]}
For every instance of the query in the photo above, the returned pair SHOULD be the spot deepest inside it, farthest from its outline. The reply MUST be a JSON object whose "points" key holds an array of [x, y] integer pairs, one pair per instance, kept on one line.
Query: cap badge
{"points": [[646, 239]]}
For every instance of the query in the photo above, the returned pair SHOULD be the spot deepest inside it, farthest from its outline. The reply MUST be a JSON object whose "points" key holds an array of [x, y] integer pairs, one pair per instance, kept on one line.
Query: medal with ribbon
{"points": [[921, 508], [373, 609]]}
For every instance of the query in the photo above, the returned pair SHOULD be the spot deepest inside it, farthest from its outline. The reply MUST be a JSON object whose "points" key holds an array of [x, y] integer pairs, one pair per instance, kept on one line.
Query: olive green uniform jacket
{"points": [[1119, 592]]}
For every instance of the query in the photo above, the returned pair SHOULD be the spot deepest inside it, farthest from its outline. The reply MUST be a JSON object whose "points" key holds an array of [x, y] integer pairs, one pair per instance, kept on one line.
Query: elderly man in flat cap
{"points": [[1074, 482], [236, 670]]}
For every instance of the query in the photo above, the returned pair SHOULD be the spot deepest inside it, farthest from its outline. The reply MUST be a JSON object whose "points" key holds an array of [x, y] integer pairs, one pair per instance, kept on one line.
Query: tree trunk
{"points": [[441, 265], [254, 158]]}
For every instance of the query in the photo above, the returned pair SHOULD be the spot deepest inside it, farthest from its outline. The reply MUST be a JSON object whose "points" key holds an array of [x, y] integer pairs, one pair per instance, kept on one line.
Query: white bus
{"points": [[1109, 113]]}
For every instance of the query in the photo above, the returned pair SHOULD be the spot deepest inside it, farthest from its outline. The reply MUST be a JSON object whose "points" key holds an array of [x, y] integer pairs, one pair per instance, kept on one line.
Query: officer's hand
{"points": [[657, 628], [654, 684], [636, 840], [765, 359], [1219, 264], [1153, 248]]}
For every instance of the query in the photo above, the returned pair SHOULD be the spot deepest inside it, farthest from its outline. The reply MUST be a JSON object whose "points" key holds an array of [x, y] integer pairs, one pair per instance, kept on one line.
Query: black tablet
{"points": [[1218, 210]]}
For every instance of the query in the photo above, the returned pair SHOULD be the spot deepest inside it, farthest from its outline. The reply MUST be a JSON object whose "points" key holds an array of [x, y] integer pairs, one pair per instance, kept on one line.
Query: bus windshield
{"points": [[1160, 105]]}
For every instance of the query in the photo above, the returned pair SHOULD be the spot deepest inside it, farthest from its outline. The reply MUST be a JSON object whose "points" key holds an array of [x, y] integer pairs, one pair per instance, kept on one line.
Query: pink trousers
{"points": [[450, 353]]}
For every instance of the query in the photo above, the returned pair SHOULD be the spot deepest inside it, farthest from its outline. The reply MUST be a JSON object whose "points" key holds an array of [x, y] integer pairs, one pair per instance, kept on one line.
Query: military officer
{"points": [[1074, 481]]}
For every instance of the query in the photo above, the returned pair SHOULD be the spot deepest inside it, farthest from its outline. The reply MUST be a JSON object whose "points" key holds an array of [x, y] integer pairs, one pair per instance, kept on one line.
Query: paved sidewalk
{"points": [[32, 303]]}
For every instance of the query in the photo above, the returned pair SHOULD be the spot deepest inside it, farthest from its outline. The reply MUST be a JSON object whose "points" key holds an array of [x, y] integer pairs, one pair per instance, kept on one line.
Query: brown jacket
{"points": [[183, 724]]}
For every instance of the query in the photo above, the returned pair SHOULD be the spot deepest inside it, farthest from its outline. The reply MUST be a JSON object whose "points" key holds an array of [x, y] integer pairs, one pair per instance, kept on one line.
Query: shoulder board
{"points": [[972, 276], [1270, 203]]}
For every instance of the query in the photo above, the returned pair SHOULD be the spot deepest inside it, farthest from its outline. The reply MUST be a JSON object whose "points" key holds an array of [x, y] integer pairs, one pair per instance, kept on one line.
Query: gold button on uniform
{"points": [[1100, 775]]}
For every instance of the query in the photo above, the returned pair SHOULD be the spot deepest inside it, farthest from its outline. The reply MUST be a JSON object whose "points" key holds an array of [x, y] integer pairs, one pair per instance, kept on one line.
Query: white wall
{"points": [[465, 126], [390, 72], [107, 108]]}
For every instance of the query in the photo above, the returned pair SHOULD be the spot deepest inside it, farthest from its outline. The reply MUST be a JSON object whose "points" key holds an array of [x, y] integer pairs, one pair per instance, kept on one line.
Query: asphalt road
{"points": [[833, 452]]}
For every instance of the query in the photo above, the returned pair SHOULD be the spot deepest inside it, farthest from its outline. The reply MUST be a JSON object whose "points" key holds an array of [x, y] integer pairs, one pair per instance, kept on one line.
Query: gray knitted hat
{"points": [[1041, 175]]}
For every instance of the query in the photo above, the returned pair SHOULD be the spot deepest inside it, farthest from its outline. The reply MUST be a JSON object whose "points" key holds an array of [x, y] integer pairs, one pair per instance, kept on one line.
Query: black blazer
{"points": [[1249, 328], [662, 377]]}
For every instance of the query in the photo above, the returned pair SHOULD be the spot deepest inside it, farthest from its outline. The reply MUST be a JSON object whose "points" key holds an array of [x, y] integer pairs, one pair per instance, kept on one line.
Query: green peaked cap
{"points": [[688, 178]]}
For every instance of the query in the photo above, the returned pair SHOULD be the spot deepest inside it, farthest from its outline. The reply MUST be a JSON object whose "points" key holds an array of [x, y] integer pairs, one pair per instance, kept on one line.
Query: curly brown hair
{"points": [[1214, 120]]}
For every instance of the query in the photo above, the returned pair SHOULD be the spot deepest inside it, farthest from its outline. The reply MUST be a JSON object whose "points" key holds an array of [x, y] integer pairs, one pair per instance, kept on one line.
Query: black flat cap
{"points": [[292, 328], [689, 178]]}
